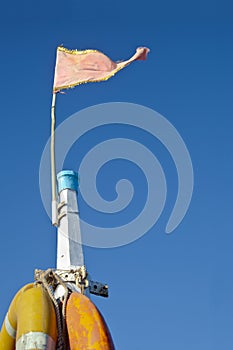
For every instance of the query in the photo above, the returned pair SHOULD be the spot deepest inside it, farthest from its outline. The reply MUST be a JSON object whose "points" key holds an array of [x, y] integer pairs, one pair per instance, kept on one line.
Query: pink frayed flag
{"points": [[75, 67]]}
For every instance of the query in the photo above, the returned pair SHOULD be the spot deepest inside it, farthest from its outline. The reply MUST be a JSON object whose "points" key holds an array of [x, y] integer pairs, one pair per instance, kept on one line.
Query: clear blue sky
{"points": [[166, 291]]}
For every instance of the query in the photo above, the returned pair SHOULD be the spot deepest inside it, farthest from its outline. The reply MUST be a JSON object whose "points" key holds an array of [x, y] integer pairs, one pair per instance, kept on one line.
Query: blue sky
{"points": [[166, 291]]}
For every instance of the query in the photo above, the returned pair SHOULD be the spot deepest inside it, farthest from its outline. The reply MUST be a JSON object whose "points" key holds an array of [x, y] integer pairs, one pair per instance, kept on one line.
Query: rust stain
{"points": [[87, 329]]}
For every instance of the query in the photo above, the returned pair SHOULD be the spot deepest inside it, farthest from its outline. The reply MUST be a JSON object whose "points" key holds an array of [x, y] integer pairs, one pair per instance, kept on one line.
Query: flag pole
{"points": [[53, 162]]}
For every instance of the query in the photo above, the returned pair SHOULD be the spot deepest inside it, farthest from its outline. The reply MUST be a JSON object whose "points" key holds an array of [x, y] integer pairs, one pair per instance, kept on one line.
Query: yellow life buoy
{"points": [[30, 322]]}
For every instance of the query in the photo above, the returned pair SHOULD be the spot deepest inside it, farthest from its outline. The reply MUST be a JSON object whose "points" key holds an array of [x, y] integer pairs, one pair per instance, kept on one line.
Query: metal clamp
{"points": [[79, 277], [60, 214]]}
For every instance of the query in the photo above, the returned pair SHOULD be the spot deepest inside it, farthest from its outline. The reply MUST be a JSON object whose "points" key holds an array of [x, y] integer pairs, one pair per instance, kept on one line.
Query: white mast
{"points": [[69, 247], [70, 260]]}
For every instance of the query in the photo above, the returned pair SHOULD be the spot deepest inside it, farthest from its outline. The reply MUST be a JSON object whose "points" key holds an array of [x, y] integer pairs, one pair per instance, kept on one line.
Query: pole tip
{"points": [[67, 179]]}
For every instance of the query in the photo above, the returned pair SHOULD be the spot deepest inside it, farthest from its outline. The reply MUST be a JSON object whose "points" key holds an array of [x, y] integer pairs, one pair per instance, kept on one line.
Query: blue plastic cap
{"points": [[67, 179]]}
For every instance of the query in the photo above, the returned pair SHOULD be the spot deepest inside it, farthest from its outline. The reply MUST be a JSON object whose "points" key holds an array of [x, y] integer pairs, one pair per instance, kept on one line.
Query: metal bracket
{"points": [[80, 278], [98, 288]]}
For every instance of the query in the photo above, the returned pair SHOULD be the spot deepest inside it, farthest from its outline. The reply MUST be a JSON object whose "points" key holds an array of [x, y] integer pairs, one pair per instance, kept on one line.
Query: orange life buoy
{"points": [[86, 327]]}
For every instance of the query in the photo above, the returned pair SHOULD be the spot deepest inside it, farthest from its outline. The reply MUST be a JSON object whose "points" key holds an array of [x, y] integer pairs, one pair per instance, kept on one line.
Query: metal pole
{"points": [[53, 164]]}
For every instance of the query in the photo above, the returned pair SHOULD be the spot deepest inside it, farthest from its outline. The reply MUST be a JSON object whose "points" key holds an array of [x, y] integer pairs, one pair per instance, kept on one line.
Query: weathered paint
{"points": [[31, 315], [87, 329], [35, 340]]}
